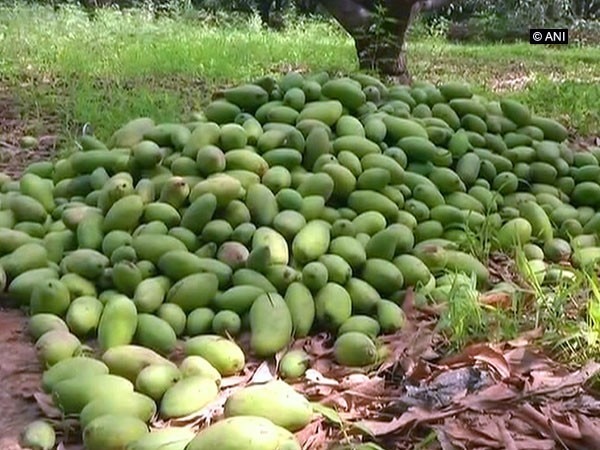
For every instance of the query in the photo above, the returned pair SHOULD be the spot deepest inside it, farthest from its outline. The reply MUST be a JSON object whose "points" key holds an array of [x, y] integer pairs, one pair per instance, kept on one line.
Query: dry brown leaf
{"points": [[479, 435], [589, 428], [484, 353], [233, 381], [45, 403], [412, 417], [310, 430], [496, 299], [526, 338], [530, 443], [324, 365], [496, 396], [421, 370], [410, 345], [506, 438], [336, 401], [548, 383], [444, 440], [494, 360], [317, 391], [408, 305], [522, 360], [585, 404], [264, 373], [316, 377], [547, 425], [314, 436], [364, 385]]}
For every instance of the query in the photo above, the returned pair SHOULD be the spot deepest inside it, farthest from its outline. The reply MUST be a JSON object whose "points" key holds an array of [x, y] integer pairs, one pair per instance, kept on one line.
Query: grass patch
{"points": [[560, 301], [124, 65], [128, 64]]}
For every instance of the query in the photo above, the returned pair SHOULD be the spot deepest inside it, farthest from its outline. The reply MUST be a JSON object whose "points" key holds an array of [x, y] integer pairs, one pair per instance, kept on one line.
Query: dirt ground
{"points": [[20, 372], [13, 158], [20, 377]]}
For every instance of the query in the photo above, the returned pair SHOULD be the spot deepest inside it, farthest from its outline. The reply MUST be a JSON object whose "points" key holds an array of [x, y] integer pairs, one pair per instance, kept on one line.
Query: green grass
{"points": [[565, 307], [64, 68]]}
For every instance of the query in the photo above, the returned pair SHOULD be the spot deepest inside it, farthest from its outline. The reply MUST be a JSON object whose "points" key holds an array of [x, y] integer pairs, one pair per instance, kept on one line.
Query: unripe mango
{"points": [[333, 306], [156, 379], [170, 438], [131, 404], [154, 333], [38, 435], [187, 396], [293, 364], [275, 400], [43, 322], [118, 322], [361, 323], [197, 365], [223, 354], [270, 324], [55, 346], [193, 291], [312, 241], [51, 296], [70, 368], [83, 315], [150, 293], [113, 432], [265, 236], [390, 316], [129, 360], [354, 349], [73, 394], [244, 432], [301, 305]]}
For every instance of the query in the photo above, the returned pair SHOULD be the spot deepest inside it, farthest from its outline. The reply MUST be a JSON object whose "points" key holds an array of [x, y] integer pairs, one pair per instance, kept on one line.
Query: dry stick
{"points": [[508, 440], [550, 425], [587, 372]]}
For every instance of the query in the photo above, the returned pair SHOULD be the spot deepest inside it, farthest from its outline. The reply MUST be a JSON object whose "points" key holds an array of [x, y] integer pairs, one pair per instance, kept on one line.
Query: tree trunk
{"points": [[379, 30], [270, 13]]}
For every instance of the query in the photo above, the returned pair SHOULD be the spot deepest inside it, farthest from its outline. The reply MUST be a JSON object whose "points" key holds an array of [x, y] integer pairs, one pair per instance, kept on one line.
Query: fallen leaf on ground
{"points": [[264, 373]]}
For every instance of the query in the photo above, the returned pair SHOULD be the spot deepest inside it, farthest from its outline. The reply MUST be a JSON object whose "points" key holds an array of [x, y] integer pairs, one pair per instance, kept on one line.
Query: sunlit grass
{"points": [[126, 64]]}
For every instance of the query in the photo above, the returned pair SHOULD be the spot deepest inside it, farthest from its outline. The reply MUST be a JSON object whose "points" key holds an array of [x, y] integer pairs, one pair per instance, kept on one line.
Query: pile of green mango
{"points": [[286, 207]]}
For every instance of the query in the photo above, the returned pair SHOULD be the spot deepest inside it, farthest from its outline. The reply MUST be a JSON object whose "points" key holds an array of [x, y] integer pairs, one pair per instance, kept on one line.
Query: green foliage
{"points": [[463, 319], [65, 68], [566, 311], [529, 11], [484, 20]]}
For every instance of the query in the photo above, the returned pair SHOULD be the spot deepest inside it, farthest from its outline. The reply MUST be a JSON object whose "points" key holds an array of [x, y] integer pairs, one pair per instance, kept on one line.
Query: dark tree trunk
{"points": [[306, 7], [266, 9], [379, 30]]}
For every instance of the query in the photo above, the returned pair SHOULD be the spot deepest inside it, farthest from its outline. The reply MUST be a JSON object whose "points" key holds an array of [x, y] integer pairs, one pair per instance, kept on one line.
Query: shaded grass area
{"points": [[125, 65]]}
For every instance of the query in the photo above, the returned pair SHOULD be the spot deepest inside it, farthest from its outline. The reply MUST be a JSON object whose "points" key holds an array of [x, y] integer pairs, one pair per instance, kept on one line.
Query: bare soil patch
{"points": [[20, 378], [13, 126]]}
